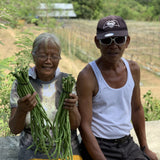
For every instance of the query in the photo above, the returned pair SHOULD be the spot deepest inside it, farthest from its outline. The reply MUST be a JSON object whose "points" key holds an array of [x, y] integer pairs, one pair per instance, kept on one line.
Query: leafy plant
{"points": [[5, 85], [13, 11], [89, 9], [22, 58], [151, 107], [24, 42]]}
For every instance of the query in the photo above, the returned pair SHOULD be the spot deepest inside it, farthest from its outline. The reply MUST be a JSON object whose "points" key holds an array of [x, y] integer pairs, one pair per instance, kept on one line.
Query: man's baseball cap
{"points": [[111, 26]]}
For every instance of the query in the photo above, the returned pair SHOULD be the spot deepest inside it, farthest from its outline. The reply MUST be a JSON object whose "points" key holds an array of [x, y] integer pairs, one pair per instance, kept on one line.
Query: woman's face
{"points": [[46, 61]]}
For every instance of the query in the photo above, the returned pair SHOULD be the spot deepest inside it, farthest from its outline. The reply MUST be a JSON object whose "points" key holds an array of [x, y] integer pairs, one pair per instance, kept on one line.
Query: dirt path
{"points": [[7, 37], [151, 82]]}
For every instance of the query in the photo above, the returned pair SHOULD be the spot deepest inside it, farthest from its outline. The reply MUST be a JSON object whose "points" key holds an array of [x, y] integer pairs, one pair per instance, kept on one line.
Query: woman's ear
{"points": [[97, 42], [34, 58]]}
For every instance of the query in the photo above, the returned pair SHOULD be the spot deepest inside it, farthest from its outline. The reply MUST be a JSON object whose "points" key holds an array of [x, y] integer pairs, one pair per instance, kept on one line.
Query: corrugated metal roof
{"points": [[56, 10], [56, 14], [64, 6]]}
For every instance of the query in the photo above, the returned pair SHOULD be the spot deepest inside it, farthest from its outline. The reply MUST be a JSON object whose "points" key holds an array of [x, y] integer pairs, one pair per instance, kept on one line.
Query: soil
{"points": [[149, 81]]}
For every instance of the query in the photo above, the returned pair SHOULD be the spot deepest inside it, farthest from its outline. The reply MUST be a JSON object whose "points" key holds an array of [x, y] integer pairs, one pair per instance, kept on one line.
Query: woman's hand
{"points": [[74, 115], [18, 114], [70, 102], [27, 103]]}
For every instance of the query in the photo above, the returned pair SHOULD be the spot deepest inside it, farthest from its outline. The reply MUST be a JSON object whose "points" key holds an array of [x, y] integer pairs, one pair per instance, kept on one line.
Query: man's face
{"points": [[112, 48], [46, 60]]}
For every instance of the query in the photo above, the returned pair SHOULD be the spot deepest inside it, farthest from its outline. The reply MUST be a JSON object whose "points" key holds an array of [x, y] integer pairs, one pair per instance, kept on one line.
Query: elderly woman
{"points": [[46, 78]]}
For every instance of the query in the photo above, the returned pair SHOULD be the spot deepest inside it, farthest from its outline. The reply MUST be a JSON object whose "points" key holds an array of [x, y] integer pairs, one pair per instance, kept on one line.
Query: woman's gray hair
{"points": [[45, 38]]}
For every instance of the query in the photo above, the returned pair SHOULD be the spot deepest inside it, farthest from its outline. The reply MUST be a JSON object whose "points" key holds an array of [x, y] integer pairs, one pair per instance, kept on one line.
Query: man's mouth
{"points": [[47, 67], [113, 53]]}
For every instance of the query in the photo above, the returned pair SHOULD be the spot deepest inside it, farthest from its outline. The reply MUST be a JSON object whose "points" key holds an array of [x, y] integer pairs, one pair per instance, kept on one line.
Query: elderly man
{"points": [[109, 99]]}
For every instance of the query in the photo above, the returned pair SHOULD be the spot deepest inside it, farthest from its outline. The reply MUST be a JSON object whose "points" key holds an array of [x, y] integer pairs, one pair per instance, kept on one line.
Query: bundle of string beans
{"points": [[41, 125], [61, 124]]}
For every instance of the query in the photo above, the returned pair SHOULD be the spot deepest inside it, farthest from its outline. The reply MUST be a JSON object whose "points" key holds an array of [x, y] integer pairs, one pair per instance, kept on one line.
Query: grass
{"points": [[77, 38], [144, 46]]}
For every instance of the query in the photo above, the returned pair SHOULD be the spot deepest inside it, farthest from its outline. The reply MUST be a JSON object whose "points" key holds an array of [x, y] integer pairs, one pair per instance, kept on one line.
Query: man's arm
{"points": [[85, 87], [138, 118]]}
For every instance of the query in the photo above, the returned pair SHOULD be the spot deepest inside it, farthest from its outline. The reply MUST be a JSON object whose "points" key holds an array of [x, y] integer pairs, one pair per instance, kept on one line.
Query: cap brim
{"points": [[112, 34]]}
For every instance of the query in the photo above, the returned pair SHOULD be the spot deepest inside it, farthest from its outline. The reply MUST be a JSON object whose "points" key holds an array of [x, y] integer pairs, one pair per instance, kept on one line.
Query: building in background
{"points": [[56, 10]]}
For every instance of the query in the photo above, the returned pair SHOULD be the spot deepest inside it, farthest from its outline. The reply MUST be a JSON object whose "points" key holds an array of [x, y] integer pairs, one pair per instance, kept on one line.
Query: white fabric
{"points": [[32, 72], [48, 92], [112, 107]]}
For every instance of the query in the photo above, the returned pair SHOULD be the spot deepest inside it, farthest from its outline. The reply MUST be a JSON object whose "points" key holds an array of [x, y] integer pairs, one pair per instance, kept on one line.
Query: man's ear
{"points": [[128, 41], [97, 42]]}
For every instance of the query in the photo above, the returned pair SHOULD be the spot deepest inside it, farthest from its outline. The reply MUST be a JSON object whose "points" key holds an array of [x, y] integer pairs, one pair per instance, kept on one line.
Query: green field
{"points": [[77, 37], [78, 48]]}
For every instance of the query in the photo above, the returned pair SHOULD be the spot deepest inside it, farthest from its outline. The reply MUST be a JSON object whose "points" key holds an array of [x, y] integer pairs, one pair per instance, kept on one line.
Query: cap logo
{"points": [[111, 24]]}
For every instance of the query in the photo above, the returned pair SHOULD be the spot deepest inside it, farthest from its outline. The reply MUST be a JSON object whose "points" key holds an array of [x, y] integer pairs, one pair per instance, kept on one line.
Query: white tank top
{"points": [[111, 117]]}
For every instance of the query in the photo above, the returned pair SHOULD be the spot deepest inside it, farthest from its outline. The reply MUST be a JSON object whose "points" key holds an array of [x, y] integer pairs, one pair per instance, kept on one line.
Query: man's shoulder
{"points": [[135, 69], [133, 65], [86, 81], [86, 71]]}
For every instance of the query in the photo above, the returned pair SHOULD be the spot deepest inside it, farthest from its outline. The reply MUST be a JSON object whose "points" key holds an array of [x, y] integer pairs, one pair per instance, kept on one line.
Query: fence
{"points": [[77, 37]]}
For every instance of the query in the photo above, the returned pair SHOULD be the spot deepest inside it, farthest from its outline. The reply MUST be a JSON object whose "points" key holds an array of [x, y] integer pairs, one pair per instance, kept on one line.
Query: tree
{"points": [[89, 9], [144, 2], [13, 10], [156, 10]]}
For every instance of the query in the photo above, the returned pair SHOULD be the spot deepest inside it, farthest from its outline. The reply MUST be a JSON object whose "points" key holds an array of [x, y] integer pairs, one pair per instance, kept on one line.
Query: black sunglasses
{"points": [[116, 40]]}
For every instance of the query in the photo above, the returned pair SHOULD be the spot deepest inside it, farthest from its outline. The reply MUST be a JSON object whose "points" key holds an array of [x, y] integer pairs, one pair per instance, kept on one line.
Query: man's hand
{"points": [[151, 154]]}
